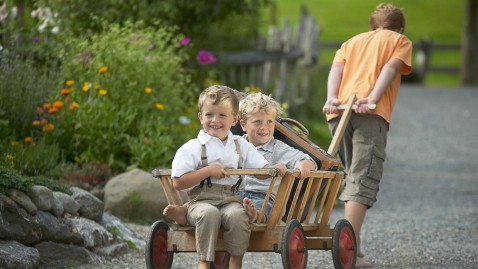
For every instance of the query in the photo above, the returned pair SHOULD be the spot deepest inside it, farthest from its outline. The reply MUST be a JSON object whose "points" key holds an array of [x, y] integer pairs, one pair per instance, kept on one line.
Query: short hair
{"points": [[387, 16], [219, 94], [256, 102]]}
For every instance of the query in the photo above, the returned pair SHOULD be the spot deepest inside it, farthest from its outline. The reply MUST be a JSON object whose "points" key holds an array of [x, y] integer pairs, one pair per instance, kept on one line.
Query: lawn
{"points": [[440, 20], [341, 19]]}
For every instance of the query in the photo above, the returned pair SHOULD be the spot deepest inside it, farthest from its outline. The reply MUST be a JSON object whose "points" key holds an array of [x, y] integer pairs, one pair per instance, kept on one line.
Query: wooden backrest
{"points": [[311, 202]]}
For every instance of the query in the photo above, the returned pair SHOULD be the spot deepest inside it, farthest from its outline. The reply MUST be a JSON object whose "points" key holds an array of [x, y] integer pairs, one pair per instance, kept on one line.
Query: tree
{"points": [[470, 45]]}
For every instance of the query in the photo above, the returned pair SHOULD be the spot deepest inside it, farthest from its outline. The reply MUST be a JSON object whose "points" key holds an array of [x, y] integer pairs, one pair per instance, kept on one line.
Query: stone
{"points": [[24, 201], [17, 224], [15, 255], [90, 206], [56, 255], [135, 195], [93, 234], [42, 197], [70, 205]]}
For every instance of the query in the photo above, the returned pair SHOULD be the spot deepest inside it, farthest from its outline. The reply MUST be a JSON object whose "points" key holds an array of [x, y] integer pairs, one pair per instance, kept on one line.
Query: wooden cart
{"points": [[288, 231]]}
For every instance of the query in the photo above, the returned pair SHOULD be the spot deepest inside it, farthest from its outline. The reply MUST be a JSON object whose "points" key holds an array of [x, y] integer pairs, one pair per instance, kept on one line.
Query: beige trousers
{"points": [[209, 208]]}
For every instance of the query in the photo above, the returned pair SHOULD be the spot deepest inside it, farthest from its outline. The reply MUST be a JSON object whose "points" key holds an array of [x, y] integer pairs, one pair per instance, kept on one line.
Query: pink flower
{"points": [[36, 39], [185, 41], [206, 57]]}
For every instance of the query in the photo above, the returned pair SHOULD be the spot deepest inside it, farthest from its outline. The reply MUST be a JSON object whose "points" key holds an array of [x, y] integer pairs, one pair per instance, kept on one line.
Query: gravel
{"points": [[426, 215]]}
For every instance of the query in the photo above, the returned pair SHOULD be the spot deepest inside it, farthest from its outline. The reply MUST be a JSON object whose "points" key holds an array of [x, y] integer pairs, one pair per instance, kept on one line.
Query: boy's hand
{"points": [[281, 168], [361, 105], [305, 166], [218, 171], [330, 106]]}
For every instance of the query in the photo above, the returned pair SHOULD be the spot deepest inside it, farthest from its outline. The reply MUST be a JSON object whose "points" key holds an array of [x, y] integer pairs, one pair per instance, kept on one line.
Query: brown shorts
{"points": [[362, 151]]}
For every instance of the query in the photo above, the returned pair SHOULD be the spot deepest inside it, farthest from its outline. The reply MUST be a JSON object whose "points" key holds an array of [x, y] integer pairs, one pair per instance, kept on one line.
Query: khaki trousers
{"points": [[209, 208]]}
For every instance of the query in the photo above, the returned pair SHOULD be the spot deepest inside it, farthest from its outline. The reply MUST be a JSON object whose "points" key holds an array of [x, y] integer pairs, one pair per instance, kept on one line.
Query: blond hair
{"points": [[219, 94], [388, 17], [256, 102]]}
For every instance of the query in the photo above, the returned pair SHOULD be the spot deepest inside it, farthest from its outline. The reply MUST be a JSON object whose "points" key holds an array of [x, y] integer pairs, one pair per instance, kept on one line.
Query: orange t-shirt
{"points": [[364, 56]]}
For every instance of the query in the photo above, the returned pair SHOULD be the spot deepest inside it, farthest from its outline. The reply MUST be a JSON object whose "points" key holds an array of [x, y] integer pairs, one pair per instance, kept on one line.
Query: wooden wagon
{"points": [[298, 220]]}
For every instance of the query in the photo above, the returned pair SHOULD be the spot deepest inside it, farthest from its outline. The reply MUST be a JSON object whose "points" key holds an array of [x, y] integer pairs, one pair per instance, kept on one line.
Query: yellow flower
{"points": [[36, 123], [86, 86], [70, 82], [28, 139], [15, 143], [159, 106], [74, 106], [103, 69], [147, 90], [48, 128], [77, 159], [103, 92], [96, 86]]}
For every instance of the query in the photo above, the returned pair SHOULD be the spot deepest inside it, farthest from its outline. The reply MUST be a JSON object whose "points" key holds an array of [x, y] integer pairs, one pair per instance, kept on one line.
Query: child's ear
{"points": [[243, 125], [200, 116]]}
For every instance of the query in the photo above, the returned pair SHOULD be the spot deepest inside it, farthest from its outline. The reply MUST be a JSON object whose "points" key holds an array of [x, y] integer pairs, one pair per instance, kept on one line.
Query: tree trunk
{"points": [[469, 68]]}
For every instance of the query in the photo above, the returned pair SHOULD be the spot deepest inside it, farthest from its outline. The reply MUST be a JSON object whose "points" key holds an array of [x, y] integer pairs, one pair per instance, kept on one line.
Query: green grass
{"points": [[440, 20]]}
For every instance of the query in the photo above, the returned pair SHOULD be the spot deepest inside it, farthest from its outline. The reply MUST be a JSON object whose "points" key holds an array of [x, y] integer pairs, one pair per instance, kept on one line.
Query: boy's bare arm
{"points": [[387, 75], [333, 84], [193, 178]]}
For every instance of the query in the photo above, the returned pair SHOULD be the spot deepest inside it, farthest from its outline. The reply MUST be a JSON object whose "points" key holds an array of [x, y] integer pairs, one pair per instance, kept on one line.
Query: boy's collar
{"points": [[204, 137]]}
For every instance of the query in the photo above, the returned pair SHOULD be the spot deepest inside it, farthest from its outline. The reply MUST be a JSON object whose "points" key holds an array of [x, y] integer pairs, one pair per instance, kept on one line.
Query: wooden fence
{"points": [[281, 67]]}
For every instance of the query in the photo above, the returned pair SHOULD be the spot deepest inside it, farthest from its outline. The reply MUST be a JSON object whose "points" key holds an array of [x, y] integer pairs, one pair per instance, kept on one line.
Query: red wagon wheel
{"points": [[293, 246], [157, 254], [221, 260], [344, 246]]}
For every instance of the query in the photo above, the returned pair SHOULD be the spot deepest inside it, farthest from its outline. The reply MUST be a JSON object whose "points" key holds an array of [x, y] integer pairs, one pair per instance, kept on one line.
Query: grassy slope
{"points": [[441, 20]]}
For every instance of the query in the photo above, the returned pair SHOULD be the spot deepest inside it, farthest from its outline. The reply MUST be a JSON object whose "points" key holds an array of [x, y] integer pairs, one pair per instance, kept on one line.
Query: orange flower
{"points": [[103, 69], [103, 92], [146, 141], [40, 110], [65, 91], [159, 106], [44, 122], [58, 105], [70, 82], [28, 139], [48, 128], [47, 106], [36, 123], [52, 110], [97, 86], [147, 90]]}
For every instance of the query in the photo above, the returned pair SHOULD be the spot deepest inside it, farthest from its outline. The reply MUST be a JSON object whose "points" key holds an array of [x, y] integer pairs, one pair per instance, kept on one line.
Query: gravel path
{"points": [[426, 215]]}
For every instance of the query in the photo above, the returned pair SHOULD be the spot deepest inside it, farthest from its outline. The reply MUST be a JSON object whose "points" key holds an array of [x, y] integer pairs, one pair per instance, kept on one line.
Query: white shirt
{"points": [[188, 156]]}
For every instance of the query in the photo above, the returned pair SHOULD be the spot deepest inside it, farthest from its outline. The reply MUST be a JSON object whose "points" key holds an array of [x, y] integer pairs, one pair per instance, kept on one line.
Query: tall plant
{"points": [[125, 100]]}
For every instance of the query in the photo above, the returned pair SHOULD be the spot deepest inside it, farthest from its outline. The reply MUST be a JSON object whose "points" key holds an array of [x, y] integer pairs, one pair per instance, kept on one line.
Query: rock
{"points": [[90, 206], [57, 207], [42, 197], [113, 250], [17, 224], [55, 255], [135, 195], [53, 230], [15, 255], [117, 228], [70, 205], [24, 201], [93, 234]]}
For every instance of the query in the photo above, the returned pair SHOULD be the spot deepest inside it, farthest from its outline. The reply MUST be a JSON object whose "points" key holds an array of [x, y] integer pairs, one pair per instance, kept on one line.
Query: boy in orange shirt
{"points": [[370, 66]]}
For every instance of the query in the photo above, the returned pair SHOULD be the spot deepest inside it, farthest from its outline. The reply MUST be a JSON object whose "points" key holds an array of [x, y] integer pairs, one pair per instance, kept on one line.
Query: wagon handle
{"points": [[297, 124], [354, 106], [344, 120]]}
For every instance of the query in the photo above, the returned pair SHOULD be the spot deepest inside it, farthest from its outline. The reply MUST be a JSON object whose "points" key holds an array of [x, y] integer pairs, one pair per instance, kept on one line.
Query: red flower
{"points": [[206, 57]]}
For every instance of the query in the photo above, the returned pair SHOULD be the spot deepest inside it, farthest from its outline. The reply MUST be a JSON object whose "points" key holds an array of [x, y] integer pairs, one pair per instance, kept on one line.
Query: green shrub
{"points": [[12, 179], [124, 99]]}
